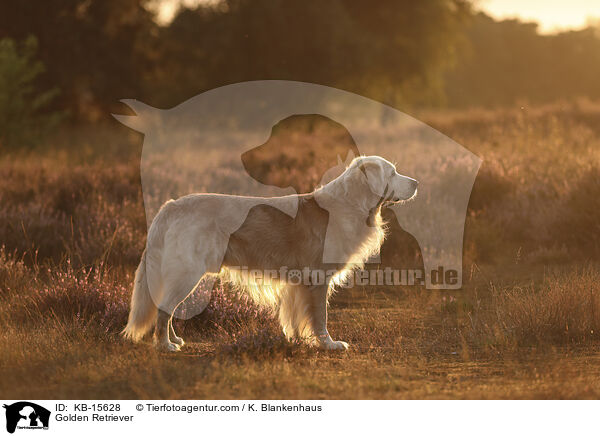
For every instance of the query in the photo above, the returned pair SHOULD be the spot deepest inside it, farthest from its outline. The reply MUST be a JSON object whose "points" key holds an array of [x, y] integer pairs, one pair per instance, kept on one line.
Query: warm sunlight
{"points": [[240, 214], [553, 15], [167, 9]]}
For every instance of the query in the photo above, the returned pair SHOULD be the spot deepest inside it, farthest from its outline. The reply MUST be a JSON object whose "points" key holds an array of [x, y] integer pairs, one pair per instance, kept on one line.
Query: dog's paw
{"points": [[339, 346], [178, 341], [169, 347], [333, 345]]}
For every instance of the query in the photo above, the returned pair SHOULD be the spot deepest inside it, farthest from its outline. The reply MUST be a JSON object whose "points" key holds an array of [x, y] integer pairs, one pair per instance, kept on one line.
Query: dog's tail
{"points": [[143, 311]]}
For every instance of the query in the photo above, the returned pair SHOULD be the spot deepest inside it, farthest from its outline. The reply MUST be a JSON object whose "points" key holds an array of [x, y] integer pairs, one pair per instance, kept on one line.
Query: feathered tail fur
{"points": [[142, 314]]}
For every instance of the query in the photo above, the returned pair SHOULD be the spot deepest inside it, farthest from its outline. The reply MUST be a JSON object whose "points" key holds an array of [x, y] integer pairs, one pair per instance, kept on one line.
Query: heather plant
{"points": [[578, 219], [90, 298], [14, 274], [228, 313], [564, 308]]}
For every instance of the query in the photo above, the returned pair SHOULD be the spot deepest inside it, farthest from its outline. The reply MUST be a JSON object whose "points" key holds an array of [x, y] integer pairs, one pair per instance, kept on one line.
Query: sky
{"points": [[552, 15]]}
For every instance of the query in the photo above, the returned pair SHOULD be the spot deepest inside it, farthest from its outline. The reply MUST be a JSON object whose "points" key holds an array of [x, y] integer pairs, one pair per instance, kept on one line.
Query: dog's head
{"points": [[383, 180]]}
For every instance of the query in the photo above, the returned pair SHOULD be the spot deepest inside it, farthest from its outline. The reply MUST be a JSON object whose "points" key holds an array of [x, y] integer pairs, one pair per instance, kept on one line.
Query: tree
{"points": [[392, 50], [22, 117], [96, 51], [509, 61]]}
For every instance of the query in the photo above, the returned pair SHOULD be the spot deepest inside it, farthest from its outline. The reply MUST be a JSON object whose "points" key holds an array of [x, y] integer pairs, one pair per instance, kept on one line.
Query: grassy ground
{"points": [[525, 324]]}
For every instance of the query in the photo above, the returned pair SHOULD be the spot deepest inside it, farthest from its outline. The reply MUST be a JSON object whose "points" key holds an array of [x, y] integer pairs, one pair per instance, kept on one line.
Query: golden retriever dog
{"points": [[336, 228]]}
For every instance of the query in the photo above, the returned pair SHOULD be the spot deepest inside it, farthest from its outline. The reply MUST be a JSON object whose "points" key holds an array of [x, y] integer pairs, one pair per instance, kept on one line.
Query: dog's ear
{"points": [[375, 176]]}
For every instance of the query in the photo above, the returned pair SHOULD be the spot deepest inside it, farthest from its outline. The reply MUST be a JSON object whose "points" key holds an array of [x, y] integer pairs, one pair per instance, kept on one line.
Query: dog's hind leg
{"points": [[318, 311], [161, 334], [175, 292], [172, 336]]}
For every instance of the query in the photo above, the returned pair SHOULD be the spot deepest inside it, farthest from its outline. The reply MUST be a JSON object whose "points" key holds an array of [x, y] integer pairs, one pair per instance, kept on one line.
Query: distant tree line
{"points": [[401, 52], [508, 62]]}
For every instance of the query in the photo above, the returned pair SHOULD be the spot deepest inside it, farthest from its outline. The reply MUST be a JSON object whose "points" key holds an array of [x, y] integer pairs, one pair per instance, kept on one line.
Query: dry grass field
{"points": [[525, 325]]}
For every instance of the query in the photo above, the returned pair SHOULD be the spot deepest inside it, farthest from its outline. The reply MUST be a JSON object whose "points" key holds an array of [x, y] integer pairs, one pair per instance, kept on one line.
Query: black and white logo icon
{"points": [[26, 415]]}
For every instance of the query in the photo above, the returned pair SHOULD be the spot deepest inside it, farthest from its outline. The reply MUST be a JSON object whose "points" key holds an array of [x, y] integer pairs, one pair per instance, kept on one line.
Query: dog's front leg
{"points": [[318, 298]]}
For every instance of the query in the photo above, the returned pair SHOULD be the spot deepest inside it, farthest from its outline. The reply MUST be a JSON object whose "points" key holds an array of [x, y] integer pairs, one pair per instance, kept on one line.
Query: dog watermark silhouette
{"points": [[233, 120]]}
